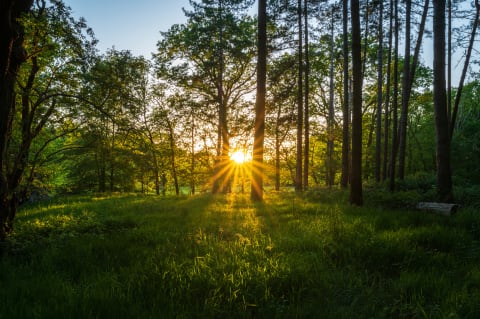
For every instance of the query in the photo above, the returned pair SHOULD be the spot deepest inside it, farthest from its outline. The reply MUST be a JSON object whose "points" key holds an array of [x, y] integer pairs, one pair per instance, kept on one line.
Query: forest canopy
{"points": [[353, 96]]}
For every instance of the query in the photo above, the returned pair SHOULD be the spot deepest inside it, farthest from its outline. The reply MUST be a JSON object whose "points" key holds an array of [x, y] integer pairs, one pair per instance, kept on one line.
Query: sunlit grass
{"points": [[210, 256]]}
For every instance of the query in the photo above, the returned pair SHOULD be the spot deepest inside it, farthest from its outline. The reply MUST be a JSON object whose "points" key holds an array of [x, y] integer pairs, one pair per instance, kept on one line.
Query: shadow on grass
{"points": [[309, 256]]}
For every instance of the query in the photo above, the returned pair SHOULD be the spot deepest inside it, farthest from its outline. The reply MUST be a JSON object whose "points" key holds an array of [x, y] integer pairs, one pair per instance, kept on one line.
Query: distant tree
{"points": [[212, 55]]}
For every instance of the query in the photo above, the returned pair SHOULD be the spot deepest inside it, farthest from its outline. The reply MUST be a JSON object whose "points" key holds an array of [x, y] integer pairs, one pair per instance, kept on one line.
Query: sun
{"points": [[238, 157]]}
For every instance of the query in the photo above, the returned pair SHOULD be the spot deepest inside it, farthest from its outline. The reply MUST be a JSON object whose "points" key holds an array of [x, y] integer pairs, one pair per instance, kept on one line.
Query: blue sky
{"points": [[129, 25]]}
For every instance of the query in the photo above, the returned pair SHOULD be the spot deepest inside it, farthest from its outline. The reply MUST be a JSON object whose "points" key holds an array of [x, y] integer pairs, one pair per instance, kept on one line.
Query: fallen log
{"points": [[438, 208]]}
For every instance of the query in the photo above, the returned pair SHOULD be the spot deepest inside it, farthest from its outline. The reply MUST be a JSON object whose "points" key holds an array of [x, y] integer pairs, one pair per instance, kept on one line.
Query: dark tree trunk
{"points": [[444, 177], [378, 133], [458, 95], [331, 113], [356, 193], [306, 150], [387, 97], [299, 157], [12, 55], [402, 133], [394, 147], [259, 134], [346, 110]]}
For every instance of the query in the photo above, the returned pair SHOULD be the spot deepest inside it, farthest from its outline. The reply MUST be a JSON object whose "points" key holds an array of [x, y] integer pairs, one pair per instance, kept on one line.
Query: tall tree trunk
{"points": [[346, 110], [299, 157], [222, 138], [306, 150], [12, 55], [259, 134], [444, 177], [378, 133], [387, 96], [402, 133], [394, 148], [458, 95], [356, 192], [331, 113], [409, 76], [365, 38]]}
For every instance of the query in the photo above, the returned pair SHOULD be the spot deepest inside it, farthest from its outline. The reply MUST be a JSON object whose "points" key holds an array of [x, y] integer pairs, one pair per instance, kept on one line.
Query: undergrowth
{"points": [[309, 256]]}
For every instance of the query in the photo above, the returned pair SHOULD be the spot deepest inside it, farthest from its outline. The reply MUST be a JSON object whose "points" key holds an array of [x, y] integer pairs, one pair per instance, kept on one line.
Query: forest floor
{"points": [[205, 256]]}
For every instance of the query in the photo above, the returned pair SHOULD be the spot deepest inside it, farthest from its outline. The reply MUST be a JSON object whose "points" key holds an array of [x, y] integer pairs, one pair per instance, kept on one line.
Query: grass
{"points": [[310, 256]]}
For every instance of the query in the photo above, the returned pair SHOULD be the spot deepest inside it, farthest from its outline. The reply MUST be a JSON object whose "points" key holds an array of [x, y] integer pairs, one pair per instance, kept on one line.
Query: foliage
{"points": [[127, 256]]}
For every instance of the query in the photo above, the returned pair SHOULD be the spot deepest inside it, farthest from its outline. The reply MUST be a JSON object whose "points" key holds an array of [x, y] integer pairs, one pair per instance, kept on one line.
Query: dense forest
{"points": [[302, 94]]}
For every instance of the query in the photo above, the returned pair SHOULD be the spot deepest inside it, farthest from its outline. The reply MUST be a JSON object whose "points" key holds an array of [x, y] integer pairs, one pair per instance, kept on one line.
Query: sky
{"points": [[129, 25]]}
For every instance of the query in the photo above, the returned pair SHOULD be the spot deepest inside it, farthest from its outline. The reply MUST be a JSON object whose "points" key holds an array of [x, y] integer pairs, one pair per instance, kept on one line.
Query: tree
{"points": [[330, 169], [356, 193], [259, 133], [12, 55], [306, 150], [299, 156], [378, 133], [212, 55], [394, 120], [468, 55], [47, 81], [442, 135], [346, 110]]}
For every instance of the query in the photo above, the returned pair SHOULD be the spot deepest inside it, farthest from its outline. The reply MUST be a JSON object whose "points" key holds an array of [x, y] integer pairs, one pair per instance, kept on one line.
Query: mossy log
{"points": [[438, 208]]}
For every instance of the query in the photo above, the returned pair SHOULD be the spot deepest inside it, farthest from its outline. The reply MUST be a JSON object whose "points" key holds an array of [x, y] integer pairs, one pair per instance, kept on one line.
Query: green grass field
{"points": [[314, 256]]}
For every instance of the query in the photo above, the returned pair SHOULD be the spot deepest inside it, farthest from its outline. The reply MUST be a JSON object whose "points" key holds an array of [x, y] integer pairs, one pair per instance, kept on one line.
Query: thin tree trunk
{"points": [[405, 83], [394, 147], [307, 106], [299, 157], [171, 139], [259, 134], [346, 110], [330, 120], [387, 97], [449, 60], [356, 193], [458, 95], [192, 164], [378, 133], [444, 177]]}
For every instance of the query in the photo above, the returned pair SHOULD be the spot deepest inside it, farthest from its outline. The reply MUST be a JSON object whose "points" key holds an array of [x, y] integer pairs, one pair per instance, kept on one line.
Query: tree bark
{"points": [[256, 193], [299, 157], [306, 150], [394, 148], [331, 113], [12, 55], [356, 192], [442, 136], [378, 133], [387, 97], [458, 95], [346, 110], [405, 83]]}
